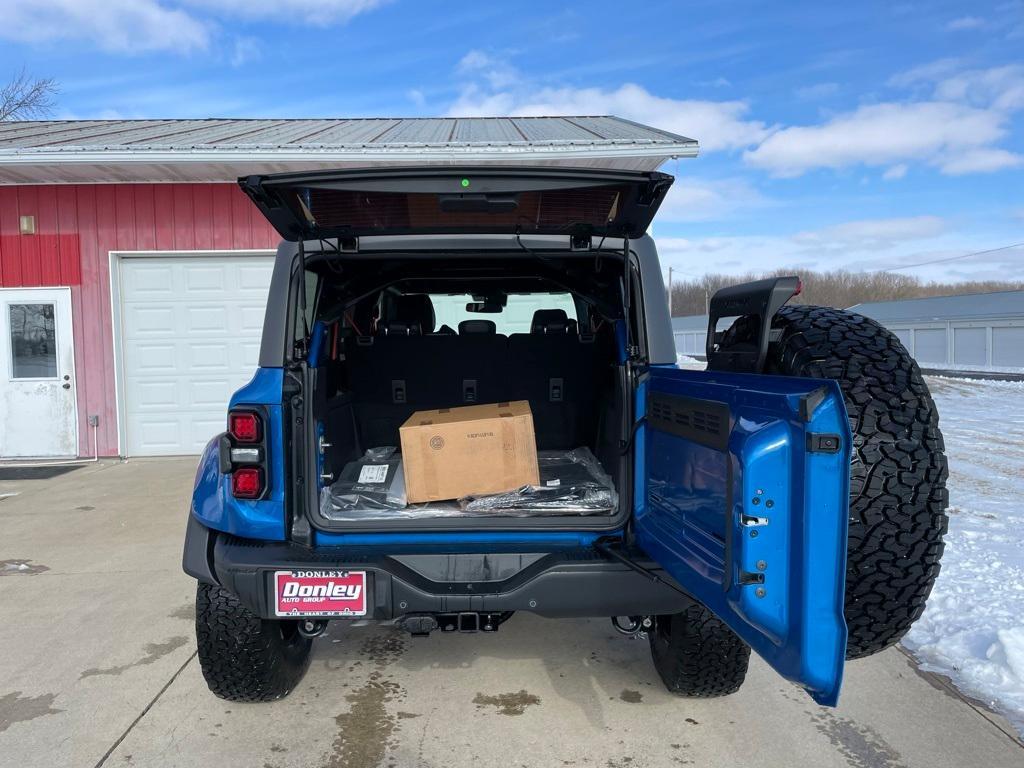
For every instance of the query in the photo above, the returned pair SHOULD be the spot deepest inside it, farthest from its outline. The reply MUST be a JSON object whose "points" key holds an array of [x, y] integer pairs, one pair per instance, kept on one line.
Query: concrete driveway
{"points": [[98, 668]]}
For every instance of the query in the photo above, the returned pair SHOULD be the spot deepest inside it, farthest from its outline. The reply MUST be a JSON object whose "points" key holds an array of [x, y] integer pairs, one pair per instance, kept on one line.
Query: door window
{"points": [[33, 341]]}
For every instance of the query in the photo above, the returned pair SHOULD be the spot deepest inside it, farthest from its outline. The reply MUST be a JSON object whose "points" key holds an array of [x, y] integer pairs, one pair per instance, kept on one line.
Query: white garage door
{"points": [[190, 336]]}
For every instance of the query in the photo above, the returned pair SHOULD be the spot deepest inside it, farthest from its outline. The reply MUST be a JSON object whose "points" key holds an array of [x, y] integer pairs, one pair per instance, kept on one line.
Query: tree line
{"points": [[830, 289]]}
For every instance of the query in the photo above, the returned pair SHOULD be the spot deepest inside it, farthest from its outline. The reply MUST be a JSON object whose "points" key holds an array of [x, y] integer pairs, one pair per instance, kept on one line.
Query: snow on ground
{"points": [[685, 361], [973, 627]]}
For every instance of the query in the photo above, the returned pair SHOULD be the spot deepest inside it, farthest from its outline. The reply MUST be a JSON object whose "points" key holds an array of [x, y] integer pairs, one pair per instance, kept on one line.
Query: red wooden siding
{"points": [[78, 225]]}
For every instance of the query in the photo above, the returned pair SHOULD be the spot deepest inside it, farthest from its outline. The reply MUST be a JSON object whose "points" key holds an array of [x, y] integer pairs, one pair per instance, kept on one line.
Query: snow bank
{"points": [[685, 361], [973, 627]]}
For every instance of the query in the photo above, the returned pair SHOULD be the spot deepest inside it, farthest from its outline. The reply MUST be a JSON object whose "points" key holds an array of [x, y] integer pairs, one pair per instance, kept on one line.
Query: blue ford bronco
{"points": [[790, 499]]}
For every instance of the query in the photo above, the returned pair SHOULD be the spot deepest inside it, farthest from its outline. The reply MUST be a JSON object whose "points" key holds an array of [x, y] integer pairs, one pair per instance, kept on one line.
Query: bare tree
{"points": [[26, 97]]}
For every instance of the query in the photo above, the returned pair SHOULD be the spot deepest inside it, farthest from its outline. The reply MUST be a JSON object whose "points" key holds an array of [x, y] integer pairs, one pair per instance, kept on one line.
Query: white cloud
{"points": [[895, 172], [718, 82], [982, 160], [319, 13], [873, 234], [416, 96], [123, 26], [246, 49], [925, 73], [965, 22], [693, 199], [181, 26], [717, 125], [855, 246], [1000, 88], [498, 72], [881, 135]]}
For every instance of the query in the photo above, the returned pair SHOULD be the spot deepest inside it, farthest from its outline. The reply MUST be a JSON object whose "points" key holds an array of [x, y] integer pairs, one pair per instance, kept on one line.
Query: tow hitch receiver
{"points": [[422, 624]]}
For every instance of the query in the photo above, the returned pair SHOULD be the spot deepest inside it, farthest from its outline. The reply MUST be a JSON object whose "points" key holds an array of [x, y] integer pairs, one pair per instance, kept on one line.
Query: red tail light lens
{"points": [[247, 483], [244, 426]]}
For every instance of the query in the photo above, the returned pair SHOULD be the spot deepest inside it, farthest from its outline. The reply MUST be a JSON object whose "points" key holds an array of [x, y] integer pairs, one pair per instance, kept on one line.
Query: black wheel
{"points": [[898, 471], [696, 654], [244, 657]]}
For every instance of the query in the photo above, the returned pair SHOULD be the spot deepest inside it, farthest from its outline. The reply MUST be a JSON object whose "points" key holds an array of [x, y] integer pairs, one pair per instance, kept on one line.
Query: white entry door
{"points": [[38, 411]]}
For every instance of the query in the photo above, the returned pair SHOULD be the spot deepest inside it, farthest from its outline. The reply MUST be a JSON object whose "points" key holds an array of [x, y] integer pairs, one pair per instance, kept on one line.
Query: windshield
{"points": [[515, 317]]}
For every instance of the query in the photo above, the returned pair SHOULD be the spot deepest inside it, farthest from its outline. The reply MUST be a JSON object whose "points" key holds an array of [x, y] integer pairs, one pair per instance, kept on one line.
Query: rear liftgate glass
{"points": [[493, 201]]}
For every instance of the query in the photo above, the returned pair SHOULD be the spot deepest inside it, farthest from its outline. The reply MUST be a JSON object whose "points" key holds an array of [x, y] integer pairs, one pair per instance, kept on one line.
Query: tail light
{"points": [[247, 483], [244, 453], [244, 426]]}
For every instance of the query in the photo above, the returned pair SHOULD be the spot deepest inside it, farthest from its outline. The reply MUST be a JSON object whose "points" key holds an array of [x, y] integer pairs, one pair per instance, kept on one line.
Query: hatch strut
{"points": [[610, 548], [302, 298]]}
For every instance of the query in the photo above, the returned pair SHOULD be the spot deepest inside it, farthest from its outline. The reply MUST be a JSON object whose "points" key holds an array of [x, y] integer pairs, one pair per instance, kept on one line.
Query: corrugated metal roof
{"points": [[1001, 304], [141, 135], [81, 151]]}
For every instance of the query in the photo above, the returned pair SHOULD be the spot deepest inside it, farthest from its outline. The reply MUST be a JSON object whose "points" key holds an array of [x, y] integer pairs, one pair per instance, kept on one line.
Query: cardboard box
{"points": [[476, 449]]}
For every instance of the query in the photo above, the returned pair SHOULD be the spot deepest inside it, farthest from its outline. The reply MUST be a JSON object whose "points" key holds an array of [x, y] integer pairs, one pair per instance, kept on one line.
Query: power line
{"points": [[946, 259]]}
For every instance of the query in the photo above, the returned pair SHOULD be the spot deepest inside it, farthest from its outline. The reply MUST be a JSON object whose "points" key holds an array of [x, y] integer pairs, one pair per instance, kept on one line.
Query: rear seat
{"points": [[553, 367], [389, 373], [406, 367], [479, 363]]}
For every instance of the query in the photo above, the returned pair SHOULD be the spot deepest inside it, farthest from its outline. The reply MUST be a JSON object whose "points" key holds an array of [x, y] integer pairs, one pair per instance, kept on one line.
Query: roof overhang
{"points": [[69, 165]]}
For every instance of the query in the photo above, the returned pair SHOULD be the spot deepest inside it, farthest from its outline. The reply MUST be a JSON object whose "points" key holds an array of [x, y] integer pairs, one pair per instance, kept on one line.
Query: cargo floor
{"points": [[571, 483]]}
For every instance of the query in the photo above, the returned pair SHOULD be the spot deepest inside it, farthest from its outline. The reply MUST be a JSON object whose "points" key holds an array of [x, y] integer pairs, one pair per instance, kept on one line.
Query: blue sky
{"points": [[857, 135]]}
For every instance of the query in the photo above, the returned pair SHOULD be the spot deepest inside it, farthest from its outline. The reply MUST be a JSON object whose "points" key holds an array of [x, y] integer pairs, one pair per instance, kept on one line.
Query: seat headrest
{"points": [[484, 327], [401, 329], [551, 321], [415, 310]]}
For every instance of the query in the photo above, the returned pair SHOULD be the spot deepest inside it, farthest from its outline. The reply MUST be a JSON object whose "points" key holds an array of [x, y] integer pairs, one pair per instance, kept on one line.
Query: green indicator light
{"points": [[465, 182]]}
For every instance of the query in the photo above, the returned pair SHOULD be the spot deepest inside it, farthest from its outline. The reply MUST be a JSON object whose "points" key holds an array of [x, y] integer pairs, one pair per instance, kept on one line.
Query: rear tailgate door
{"points": [[744, 501]]}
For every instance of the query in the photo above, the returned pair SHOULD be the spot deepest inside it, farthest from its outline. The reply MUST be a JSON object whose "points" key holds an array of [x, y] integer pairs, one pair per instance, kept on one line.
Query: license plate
{"points": [[320, 593]]}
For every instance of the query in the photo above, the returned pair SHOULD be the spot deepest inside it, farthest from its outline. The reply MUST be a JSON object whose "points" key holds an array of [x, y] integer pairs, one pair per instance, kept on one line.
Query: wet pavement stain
{"points": [[861, 746], [384, 649], [364, 732], [507, 703], [85, 508], [631, 697], [21, 568], [186, 612], [15, 708], [154, 652]]}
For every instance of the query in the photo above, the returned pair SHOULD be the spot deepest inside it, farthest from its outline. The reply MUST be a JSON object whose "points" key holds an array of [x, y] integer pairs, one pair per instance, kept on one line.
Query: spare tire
{"points": [[898, 470]]}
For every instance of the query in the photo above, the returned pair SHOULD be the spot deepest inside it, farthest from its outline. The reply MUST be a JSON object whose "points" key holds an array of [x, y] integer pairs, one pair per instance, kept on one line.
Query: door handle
{"points": [[66, 385]]}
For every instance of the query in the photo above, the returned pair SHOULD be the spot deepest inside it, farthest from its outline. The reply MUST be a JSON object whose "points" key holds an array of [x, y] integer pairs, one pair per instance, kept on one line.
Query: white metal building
{"points": [[983, 331], [975, 331]]}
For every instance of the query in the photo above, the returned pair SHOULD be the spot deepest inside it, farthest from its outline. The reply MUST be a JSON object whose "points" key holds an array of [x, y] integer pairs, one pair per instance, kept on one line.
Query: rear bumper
{"points": [[558, 583]]}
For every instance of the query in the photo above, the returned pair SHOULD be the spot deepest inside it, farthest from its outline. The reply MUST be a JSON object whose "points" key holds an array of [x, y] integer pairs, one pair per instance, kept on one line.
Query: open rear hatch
{"points": [[479, 200]]}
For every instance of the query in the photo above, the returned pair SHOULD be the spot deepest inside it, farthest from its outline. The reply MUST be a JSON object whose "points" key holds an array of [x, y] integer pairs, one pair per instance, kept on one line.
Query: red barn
{"points": [[134, 273]]}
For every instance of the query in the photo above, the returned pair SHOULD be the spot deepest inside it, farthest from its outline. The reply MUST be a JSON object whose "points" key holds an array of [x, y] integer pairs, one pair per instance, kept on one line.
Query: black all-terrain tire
{"points": [[244, 657], [898, 471], [696, 654]]}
